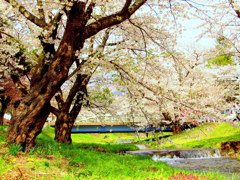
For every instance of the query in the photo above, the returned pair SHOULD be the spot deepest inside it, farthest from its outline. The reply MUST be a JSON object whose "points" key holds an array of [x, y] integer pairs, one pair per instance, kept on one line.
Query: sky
{"points": [[190, 38]]}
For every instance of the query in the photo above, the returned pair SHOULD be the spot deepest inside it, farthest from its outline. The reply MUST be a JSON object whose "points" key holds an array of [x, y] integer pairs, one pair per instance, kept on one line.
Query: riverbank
{"points": [[209, 135], [91, 156]]}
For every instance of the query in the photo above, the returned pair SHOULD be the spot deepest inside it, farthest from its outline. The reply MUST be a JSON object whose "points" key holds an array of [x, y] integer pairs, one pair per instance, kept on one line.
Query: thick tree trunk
{"points": [[64, 124], [37, 128], [4, 103], [177, 127], [2, 112], [28, 119], [176, 123], [23, 130], [1, 116], [63, 127], [65, 119], [1, 120]]}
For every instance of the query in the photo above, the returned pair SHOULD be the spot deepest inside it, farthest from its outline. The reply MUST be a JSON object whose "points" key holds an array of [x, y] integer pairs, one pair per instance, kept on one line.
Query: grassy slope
{"points": [[92, 156], [209, 135]]}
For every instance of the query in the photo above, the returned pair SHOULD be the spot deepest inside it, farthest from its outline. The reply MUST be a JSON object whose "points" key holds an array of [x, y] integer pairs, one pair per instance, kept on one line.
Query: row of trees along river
{"points": [[113, 57]]}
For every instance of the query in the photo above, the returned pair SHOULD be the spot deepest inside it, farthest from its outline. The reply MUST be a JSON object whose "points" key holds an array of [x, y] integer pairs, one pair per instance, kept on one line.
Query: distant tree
{"points": [[224, 63], [169, 86], [223, 53]]}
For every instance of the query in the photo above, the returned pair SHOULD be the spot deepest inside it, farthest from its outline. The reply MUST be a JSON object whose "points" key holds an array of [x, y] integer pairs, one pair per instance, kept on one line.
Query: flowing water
{"points": [[193, 159]]}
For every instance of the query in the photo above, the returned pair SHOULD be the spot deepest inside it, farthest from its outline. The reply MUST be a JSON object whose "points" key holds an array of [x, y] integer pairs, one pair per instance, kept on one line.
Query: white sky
{"points": [[189, 40], [190, 37]]}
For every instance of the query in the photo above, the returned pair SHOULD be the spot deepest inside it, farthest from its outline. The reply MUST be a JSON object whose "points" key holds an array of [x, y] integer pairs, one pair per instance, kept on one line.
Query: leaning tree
{"points": [[52, 69]]}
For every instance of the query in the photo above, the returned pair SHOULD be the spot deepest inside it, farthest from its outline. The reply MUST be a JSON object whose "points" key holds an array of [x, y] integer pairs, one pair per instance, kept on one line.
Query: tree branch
{"points": [[19, 84], [142, 32], [114, 44], [76, 70], [1, 32], [55, 21], [89, 11], [54, 111], [105, 38], [114, 19], [37, 21], [59, 99], [118, 67], [80, 82], [126, 6], [231, 2], [40, 10]]}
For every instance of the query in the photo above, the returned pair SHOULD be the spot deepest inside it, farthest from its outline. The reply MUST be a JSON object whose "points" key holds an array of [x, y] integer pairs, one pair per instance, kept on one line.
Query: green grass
{"points": [[209, 135], [91, 156]]}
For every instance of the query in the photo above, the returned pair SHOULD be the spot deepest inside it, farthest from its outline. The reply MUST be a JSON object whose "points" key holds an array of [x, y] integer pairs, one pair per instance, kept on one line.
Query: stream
{"points": [[205, 159]]}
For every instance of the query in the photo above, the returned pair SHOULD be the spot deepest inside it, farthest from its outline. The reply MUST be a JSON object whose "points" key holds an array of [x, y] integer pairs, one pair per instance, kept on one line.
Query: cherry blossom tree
{"points": [[168, 86], [195, 94], [148, 67], [52, 69]]}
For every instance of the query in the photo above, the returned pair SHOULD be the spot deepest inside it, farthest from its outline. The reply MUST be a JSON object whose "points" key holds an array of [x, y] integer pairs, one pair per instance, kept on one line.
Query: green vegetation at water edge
{"points": [[209, 135], [84, 160]]}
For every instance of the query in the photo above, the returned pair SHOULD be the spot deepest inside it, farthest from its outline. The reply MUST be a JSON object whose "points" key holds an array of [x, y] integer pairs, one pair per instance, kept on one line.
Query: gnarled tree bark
{"points": [[30, 116], [65, 116], [26, 122]]}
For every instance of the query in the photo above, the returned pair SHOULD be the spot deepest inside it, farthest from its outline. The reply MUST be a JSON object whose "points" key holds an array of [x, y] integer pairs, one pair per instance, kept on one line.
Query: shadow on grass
{"points": [[153, 139]]}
